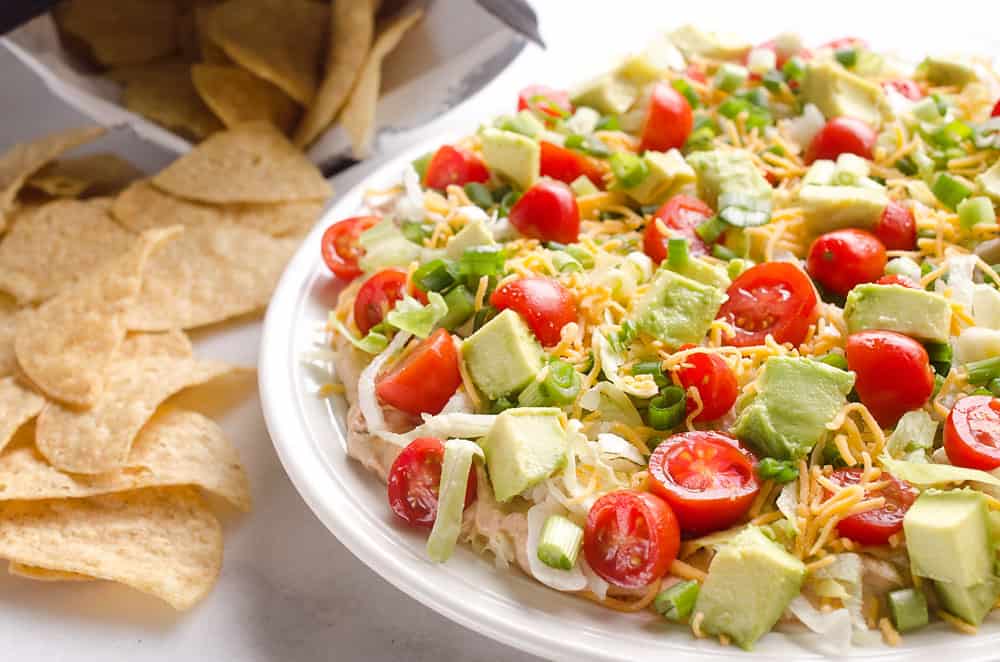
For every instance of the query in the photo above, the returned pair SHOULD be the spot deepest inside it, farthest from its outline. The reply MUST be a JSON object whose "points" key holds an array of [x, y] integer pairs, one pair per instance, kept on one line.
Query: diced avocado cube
{"points": [[676, 309], [828, 208], [692, 40], [721, 172], [475, 233], [525, 446], [653, 63], [701, 271], [923, 315], [839, 93], [908, 609], [970, 603], [948, 537], [607, 94], [851, 170], [795, 399], [514, 157], [502, 356], [988, 182], [667, 172], [750, 583], [524, 122], [582, 186], [948, 71], [820, 172]]}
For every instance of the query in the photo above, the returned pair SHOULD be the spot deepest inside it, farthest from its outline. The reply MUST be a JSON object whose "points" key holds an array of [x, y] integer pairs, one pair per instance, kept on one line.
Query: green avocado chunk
{"points": [[608, 94], [502, 356], [677, 309], [525, 446], [514, 157], [828, 208], [795, 399], [692, 40], [947, 71], [732, 171], [970, 603], [653, 63], [475, 233], [668, 171], [839, 93], [750, 583], [701, 271], [917, 313], [988, 182]]}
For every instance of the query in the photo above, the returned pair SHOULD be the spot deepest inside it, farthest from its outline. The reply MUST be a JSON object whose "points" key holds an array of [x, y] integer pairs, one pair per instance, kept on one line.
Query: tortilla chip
{"points": [[8, 329], [173, 344], [211, 53], [142, 206], [165, 94], [121, 31], [174, 448], [358, 115], [66, 344], [164, 542], [353, 24], [18, 405], [281, 41], [237, 96], [93, 174], [42, 575], [253, 162], [24, 160], [51, 247], [98, 440], [212, 273]]}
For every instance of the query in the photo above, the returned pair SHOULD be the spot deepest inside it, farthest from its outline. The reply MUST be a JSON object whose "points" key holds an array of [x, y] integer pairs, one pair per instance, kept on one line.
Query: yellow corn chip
{"points": [[65, 345], [165, 94], [22, 161], [98, 440], [253, 162], [281, 41], [161, 541], [8, 329], [42, 575], [93, 174], [358, 115], [175, 448], [174, 344], [18, 405], [52, 246], [142, 206], [353, 24], [210, 51], [237, 96], [121, 31]]}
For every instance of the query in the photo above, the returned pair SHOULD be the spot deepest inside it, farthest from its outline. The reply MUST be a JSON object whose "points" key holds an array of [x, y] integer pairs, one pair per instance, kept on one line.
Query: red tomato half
{"points": [[906, 87], [896, 279], [415, 480], [897, 228], [773, 297], [841, 259], [547, 211], [631, 538], [696, 72], [566, 165], [842, 135], [875, 527], [715, 382], [340, 248], [846, 42], [668, 122], [544, 304], [377, 297], [894, 374], [996, 110], [454, 165], [542, 99], [683, 214], [972, 433], [425, 380], [706, 478]]}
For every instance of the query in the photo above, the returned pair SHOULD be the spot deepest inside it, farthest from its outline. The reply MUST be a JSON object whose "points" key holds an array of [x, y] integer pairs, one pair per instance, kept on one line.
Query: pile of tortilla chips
{"points": [[102, 469], [196, 66]]}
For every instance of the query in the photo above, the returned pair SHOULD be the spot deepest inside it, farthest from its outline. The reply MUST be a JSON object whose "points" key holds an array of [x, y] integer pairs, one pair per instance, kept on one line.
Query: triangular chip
{"points": [[44, 575], [211, 53], [52, 246], [164, 542], [21, 161], [281, 41], [98, 440], [253, 162], [353, 24], [237, 96], [164, 93], [18, 405], [358, 115], [174, 344], [121, 31], [93, 174], [8, 329], [66, 344], [142, 206], [174, 448]]}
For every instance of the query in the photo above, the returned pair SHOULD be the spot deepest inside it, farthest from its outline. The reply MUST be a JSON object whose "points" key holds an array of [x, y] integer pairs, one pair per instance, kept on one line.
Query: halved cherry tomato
{"points": [[544, 304], [846, 42], [547, 100], [773, 297], [547, 211], [340, 248], [972, 433], [706, 478], [377, 296], [894, 374], [425, 380], [841, 259], [566, 165], [415, 481], [996, 110], [454, 165], [696, 72], [842, 135], [875, 527], [896, 227], [906, 87], [631, 538], [668, 122], [683, 214], [896, 279], [715, 382]]}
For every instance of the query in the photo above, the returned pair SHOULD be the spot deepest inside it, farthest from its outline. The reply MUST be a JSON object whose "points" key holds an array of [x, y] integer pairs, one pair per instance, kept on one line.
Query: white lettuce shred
{"points": [[613, 403], [565, 487], [788, 503], [834, 627], [803, 129], [455, 467], [961, 269], [410, 206], [927, 474], [616, 446], [413, 317], [641, 386], [561, 580], [367, 400]]}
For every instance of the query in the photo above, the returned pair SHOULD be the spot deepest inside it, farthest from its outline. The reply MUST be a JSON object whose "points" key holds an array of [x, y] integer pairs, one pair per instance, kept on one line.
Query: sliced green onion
{"points": [[730, 76], [677, 602], [483, 315], [560, 387], [737, 266], [435, 276], [524, 123], [684, 87], [994, 387], [757, 97], [794, 68], [983, 372], [461, 305], [700, 139], [774, 81], [564, 262], [951, 134], [667, 410], [733, 106], [416, 231], [951, 189], [608, 123], [906, 166], [578, 252], [508, 200], [479, 195], [559, 544], [938, 351], [420, 165], [722, 253], [976, 210], [677, 252], [848, 57], [501, 404], [651, 368], [595, 147], [938, 383], [479, 261], [628, 169], [838, 361], [780, 471], [927, 110], [573, 141], [711, 229]]}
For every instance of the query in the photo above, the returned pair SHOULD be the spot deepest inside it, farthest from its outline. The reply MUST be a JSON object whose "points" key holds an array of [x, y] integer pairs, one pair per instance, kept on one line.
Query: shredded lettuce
{"points": [[616, 446], [788, 503], [367, 400], [455, 424], [386, 246], [927, 474], [612, 355], [410, 316], [915, 431], [561, 580], [833, 626], [458, 454], [373, 343], [613, 404]]}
